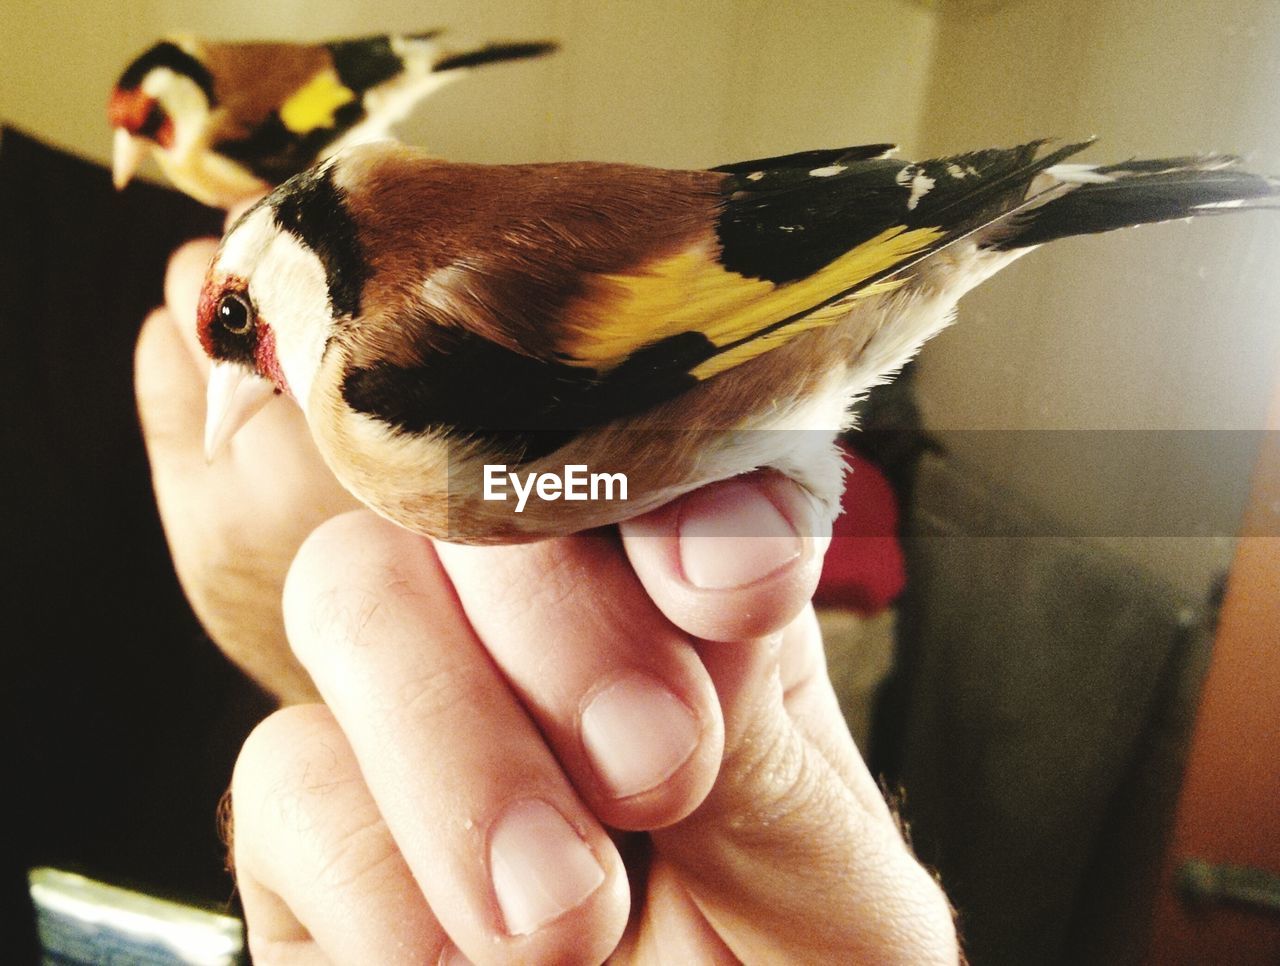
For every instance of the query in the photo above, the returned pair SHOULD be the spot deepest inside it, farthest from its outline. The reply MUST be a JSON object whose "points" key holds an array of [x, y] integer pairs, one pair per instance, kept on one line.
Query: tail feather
{"points": [[1107, 197], [493, 53]]}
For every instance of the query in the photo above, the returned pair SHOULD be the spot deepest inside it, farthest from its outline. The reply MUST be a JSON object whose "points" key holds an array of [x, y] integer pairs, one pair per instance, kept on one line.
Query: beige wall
{"points": [[1169, 327], [669, 82]]}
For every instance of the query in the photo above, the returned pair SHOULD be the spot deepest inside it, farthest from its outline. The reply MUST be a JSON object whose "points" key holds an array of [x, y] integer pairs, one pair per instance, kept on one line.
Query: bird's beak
{"points": [[125, 157], [235, 394]]}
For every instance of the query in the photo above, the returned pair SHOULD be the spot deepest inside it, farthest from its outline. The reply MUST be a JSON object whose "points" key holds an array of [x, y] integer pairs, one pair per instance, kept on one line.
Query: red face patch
{"points": [[265, 355], [253, 345], [141, 115], [206, 310], [129, 109]]}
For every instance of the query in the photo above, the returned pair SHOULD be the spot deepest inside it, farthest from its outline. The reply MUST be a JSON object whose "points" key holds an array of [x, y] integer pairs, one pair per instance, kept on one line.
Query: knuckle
{"points": [[332, 621], [338, 584], [771, 778], [286, 742], [551, 580], [289, 765], [441, 691], [360, 856], [356, 584]]}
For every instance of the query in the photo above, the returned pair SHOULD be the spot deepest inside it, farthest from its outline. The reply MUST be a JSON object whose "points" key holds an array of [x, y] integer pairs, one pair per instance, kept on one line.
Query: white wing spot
{"points": [[920, 184], [956, 171], [755, 176], [828, 171]]}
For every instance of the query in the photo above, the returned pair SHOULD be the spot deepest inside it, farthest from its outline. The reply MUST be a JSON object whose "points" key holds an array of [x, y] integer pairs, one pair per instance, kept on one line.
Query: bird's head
{"points": [[285, 276], [160, 103]]}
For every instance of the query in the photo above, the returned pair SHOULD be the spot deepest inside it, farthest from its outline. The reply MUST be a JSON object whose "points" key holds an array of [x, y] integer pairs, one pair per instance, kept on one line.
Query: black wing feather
{"points": [[1143, 192], [785, 223]]}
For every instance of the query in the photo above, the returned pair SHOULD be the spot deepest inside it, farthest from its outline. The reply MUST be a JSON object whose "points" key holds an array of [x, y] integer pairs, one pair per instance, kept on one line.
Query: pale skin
{"points": [[618, 743]]}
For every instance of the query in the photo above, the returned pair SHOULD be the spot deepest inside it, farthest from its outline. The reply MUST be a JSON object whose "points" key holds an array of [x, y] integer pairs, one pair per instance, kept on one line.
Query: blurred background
{"points": [[1090, 426]]}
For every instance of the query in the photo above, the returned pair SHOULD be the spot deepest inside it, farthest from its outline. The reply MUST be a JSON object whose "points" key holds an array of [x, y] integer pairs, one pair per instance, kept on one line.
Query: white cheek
{"points": [[156, 81], [184, 102], [292, 297]]}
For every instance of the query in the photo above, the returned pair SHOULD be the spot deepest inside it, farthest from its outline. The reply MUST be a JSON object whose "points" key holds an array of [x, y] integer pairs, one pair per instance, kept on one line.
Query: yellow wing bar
{"points": [[314, 104], [692, 292]]}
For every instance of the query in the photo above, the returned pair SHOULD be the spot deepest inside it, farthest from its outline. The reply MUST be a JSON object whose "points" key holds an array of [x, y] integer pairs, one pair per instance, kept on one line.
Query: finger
{"points": [[511, 862], [170, 394], [232, 526], [236, 211], [733, 561], [182, 283], [796, 659], [319, 873], [786, 832], [618, 692]]}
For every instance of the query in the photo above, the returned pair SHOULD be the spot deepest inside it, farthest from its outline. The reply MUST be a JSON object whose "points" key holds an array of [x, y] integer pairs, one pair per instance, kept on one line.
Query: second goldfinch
{"points": [[440, 324], [227, 121]]}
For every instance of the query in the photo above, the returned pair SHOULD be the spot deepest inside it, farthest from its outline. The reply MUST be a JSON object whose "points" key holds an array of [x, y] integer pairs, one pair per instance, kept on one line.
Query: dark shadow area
{"points": [[121, 719]]}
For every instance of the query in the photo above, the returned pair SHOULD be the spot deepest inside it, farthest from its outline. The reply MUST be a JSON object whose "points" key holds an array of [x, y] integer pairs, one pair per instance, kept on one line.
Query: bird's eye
{"points": [[234, 313], [152, 123]]}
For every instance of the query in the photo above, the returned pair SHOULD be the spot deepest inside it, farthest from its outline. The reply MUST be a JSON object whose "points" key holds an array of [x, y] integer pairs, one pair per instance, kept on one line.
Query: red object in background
{"points": [[864, 569]]}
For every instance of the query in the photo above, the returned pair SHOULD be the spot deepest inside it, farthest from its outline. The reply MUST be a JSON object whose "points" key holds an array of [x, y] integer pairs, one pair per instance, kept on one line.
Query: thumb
{"points": [[794, 854]]}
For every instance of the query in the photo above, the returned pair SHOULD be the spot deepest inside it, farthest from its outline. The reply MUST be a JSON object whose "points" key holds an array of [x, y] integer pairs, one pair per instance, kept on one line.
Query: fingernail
{"points": [[637, 734], [732, 535], [540, 867]]}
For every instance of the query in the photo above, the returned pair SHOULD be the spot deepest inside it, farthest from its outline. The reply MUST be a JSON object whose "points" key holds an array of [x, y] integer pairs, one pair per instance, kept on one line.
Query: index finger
{"points": [[510, 860], [238, 209], [182, 282]]}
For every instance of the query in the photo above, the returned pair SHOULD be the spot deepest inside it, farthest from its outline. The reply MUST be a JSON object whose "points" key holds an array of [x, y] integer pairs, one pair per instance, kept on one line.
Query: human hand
{"points": [[577, 673], [233, 525], [493, 715]]}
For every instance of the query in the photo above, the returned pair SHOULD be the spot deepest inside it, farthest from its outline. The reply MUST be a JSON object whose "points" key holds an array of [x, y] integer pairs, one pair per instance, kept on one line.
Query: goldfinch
{"points": [[456, 332], [227, 121]]}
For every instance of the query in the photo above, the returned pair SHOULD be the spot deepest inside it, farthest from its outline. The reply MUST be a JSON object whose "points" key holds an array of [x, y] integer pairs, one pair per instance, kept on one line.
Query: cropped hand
{"points": [[618, 743], [233, 525]]}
